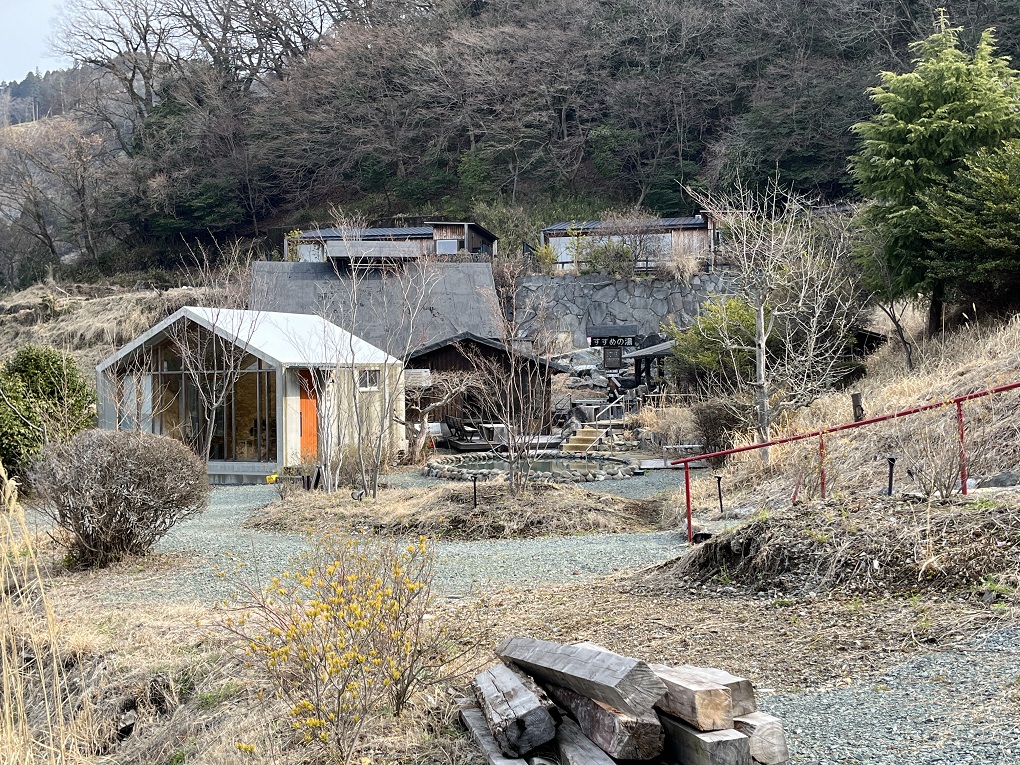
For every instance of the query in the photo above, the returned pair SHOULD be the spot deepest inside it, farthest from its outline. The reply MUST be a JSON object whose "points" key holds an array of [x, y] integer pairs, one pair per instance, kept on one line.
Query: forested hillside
{"points": [[191, 119]]}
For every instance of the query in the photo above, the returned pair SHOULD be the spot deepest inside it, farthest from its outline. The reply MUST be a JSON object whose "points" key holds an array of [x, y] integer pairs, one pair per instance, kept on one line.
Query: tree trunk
{"points": [[937, 309], [760, 377]]}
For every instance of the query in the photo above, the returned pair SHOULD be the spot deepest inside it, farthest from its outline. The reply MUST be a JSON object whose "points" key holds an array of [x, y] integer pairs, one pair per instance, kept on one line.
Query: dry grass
{"points": [[88, 321], [960, 547], [973, 359], [782, 643], [448, 512]]}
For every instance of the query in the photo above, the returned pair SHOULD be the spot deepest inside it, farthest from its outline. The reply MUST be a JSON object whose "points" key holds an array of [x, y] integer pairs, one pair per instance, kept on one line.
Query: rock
{"points": [[1000, 481]]}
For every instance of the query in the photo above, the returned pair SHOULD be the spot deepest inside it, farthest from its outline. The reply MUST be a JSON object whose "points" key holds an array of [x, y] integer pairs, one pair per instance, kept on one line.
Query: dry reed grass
{"points": [[448, 512], [33, 728]]}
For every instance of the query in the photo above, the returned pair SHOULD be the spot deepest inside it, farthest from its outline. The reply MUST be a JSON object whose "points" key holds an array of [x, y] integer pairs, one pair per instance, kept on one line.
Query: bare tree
{"points": [[517, 381], [798, 277], [214, 356], [393, 297]]}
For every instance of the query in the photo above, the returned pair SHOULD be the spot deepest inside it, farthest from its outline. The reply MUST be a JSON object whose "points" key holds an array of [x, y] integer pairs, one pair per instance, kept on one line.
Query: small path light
{"points": [[718, 486], [474, 486], [892, 465]]}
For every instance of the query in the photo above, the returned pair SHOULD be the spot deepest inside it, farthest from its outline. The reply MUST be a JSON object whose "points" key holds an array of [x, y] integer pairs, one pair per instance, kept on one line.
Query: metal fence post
{"points": [[963, 452], [821, 464], [690, 509]]}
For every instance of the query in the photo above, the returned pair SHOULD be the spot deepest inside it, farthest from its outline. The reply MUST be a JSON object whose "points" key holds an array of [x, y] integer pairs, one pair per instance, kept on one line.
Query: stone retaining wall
{"points": [[573, 302]]}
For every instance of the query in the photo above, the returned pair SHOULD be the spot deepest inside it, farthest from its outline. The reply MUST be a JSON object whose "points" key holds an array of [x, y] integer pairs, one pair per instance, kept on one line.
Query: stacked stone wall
{"points": [[569, 304]]}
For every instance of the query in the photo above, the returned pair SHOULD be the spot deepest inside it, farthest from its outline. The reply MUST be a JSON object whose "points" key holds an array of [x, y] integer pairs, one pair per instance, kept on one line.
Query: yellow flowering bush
{"points": [[342, 638]]}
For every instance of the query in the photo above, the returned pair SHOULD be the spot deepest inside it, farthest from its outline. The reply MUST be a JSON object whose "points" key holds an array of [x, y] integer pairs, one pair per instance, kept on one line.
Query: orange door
{"points": [[309, 417]]}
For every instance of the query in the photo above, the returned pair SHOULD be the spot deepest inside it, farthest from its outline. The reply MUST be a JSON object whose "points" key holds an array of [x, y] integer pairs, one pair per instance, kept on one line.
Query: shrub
{"points": [[118, 492], [717, 420], [344, 638], [612, 257], [45, 399]]}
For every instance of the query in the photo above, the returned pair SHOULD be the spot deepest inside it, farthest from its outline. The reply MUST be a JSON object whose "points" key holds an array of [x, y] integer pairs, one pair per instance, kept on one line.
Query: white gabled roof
{"points": [[281, 339]]}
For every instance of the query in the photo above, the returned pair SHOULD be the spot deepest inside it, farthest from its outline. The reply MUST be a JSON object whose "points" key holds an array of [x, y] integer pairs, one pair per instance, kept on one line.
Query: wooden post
{"points": [[517, 715], [858, 405], [705, 704], [577, 749], [765, 736], [474, 721], [741, 689], [624, 683], [695, 747], [618, 734]]}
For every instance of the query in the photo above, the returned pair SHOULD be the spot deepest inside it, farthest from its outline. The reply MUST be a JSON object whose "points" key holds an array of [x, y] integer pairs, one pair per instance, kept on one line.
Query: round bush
{"points": [[118, 492]]}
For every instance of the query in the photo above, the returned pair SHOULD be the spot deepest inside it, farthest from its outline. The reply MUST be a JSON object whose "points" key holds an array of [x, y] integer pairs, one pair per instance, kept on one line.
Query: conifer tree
{"points": [[929, 121]]}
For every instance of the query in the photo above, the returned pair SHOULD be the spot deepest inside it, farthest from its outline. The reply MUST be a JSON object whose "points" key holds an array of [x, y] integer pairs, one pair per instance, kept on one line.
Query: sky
{"points": [[25, 28]]}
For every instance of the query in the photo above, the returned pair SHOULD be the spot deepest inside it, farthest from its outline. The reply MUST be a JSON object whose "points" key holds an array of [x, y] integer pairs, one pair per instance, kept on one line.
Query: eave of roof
{"points": [[648, 226], [490, 342]]}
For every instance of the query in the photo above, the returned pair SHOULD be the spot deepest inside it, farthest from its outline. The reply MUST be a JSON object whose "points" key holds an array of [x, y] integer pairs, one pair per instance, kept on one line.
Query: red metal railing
{"points": [[820, 435]]}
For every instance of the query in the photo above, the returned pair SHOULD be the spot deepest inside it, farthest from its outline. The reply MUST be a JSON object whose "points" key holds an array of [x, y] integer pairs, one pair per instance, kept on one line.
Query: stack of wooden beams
{"points": [[585, 705]]}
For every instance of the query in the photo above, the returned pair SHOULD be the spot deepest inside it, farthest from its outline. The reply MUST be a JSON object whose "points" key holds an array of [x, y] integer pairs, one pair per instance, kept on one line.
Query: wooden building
{"points": [[297, 384], [367, 246], [653, 241]]}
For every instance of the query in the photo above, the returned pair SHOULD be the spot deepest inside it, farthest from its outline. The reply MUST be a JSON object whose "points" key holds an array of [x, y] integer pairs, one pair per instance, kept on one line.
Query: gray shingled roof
{"points": [[460, 298], [607, 227]]}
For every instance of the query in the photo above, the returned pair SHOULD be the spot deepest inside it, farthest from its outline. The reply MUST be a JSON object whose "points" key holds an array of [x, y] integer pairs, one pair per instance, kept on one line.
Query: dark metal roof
{"points": [[462, 337], [650, 225], [613, 330], [369, 234], [658, 351]]}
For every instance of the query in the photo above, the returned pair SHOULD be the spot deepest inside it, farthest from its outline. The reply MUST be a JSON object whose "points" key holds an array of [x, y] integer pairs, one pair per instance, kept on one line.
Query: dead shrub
{"points": [[118, 492]]}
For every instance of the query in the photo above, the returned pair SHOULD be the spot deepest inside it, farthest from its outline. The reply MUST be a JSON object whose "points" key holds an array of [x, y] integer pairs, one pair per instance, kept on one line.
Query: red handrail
{"points": [[958, 401]]}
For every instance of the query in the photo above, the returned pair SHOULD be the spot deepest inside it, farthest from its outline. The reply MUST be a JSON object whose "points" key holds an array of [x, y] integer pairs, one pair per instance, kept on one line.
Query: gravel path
{"points": [[936, 709], [215, 542]]}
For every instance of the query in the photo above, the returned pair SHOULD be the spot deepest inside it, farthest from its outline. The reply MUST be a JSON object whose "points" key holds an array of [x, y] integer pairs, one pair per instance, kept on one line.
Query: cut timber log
{"points": [[695, 747], [705, 704], [618, 734], [741, 690], [765, 733], [474, 721], [516, 710], [577, 749], [623, 683]]}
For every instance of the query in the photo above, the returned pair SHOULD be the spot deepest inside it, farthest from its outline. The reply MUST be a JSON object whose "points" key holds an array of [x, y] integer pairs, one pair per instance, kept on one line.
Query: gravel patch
{"points": [[936, 709]]}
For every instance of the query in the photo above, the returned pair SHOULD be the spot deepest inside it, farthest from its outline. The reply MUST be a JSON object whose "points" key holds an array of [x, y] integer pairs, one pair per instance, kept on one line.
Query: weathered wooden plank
{"points": [[540, 760], [577, 749], [518, 715], [705, 704], [689, 746], [474, 721], [617, 733], [766, 736], [741, 689], [621, 682]]}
